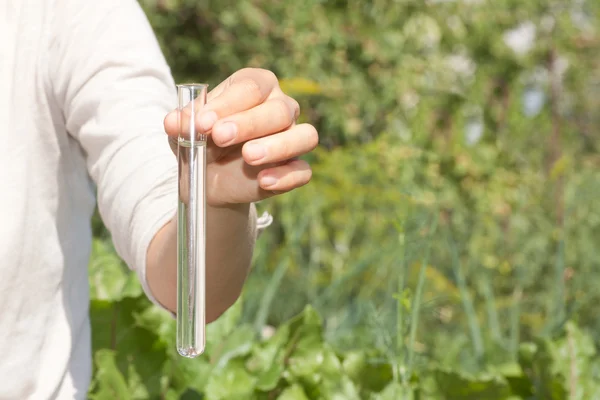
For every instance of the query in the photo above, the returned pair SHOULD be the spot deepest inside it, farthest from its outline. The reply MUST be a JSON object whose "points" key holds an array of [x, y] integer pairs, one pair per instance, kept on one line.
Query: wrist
{"points": [[225, 218]]}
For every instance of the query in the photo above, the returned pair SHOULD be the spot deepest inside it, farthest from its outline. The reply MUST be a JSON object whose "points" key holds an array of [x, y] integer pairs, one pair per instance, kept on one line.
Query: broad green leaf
{"points": [[238, 344], [108, 381], [519, 383], [267, 360], [307, 322], [454, 386], [269, 378], [563, 368], [312, 358], [188, 374], [109, 278], [395, 391], [233, 382], [368, 374], [218, 330], [341, 389], [190, 395], [140, 354], [182, 373], [159, 321], [293, 392], [539, 365], [268, 351], [315, 365]]}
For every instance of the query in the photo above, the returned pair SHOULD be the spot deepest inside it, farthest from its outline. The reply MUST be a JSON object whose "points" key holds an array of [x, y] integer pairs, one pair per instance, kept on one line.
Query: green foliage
{"points": [[295, 362], [446, 246]]}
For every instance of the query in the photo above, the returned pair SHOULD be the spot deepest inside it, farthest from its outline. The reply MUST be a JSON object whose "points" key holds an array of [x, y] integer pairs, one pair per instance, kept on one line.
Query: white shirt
{"points": [[84, 90]]}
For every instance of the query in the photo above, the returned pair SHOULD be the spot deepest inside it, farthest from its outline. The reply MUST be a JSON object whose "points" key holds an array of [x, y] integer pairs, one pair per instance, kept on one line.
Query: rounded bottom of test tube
{"points": [[190, 352]]}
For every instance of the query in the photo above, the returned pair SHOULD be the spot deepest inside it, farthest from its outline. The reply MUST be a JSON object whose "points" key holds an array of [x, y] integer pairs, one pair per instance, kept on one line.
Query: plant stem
{"points": [[515, 316], [267, 299], [559, 270], [400, 316], [417, 299], [490, 306], [467, 302]]}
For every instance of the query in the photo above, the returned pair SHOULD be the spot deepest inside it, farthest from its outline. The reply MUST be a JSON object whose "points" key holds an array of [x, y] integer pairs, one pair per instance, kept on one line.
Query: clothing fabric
{"points": [[84, 89]]}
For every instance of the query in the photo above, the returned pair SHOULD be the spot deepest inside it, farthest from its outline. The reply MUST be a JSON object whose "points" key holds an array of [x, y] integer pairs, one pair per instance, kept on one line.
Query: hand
{"points": [[254, 141]]}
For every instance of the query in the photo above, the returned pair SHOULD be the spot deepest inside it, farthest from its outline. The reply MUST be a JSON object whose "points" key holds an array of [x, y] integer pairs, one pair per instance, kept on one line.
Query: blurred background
{"points": [[448, 245]]}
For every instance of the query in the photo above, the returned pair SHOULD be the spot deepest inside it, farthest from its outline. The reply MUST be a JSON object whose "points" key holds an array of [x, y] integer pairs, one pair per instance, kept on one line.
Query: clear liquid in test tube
{"points": [[191, 223]]}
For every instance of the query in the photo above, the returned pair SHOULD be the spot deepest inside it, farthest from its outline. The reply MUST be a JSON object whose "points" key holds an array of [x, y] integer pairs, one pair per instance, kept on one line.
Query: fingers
{"points": [[274, 115], [299, 140], [284, 178], [243, 91], [265, 77], [179, 121], [183, 120]]}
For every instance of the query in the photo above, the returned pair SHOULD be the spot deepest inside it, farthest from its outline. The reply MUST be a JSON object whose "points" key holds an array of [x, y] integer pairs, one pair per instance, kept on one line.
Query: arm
{"points": [[115, 88], [251, 105], [230, 241]]}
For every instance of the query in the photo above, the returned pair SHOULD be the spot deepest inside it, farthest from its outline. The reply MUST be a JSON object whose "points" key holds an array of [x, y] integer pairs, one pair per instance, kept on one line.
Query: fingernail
{"points": [[207, 120], [268, 181], [255, 151], [226, 133]]}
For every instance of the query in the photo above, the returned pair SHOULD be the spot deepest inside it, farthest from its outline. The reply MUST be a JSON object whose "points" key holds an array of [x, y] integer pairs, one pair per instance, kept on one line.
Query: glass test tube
{"points": [[191, 223]]}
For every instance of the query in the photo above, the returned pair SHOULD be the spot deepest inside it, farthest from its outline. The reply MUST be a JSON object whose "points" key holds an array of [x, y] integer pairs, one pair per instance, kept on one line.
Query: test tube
{"points": [[191, 223]]}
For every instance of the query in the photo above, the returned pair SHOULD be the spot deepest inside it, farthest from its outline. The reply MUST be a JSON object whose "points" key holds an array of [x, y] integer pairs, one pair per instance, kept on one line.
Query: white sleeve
{"points": [[115, 88]]}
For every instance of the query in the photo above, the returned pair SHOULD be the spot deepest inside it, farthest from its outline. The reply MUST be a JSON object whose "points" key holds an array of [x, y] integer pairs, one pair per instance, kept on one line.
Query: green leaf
{"points": [[140, 354], [538, 364], [227, 323], [294, 392], [456, 386], [311, 359], [317, 368], [563, 368], [108, 382], [519, 383], [269, 378], [370, 375], [267, 360], [310, 362], [159, 321], [233, 382], [395, 391], [188, 374], [342, 389], [109, 278], [307, 322], [189, 395], [238, 344]]}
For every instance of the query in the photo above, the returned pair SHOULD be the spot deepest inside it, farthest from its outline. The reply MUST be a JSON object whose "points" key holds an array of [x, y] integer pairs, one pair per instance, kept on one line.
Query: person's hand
{"points": [[254, 141]]}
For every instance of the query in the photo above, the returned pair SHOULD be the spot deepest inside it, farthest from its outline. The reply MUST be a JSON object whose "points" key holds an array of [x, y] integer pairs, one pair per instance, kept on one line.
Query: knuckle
{"points": [[244, 73], [295, 108], [252, 89], [268, 75], [283, 113], [258, 74], [250, 127]]}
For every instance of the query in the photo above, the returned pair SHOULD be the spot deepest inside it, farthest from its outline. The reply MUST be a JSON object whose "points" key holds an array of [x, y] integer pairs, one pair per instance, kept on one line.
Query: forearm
{"points": [[230, 243]]}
